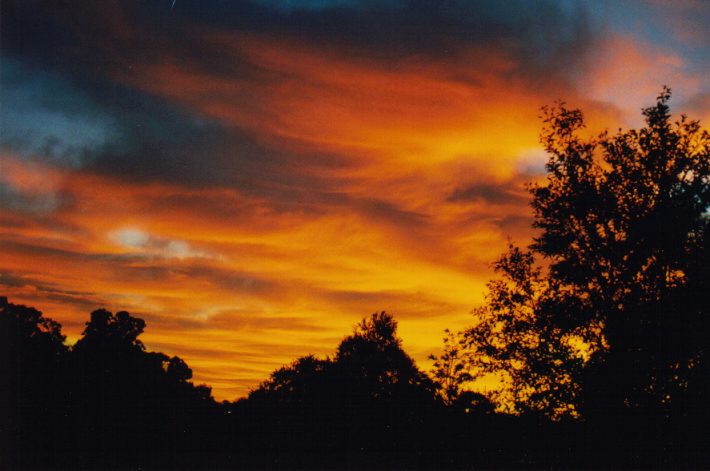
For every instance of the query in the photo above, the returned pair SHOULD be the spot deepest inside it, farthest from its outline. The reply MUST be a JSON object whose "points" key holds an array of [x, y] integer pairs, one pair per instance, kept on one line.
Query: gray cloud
{"points": [[492, 193], [50, 118], [76, 114], [21, 201], [82, 300]]}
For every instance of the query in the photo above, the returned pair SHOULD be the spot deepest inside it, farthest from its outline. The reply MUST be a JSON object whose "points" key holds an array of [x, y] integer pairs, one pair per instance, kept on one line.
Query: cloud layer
{"points": [[254, 177]]}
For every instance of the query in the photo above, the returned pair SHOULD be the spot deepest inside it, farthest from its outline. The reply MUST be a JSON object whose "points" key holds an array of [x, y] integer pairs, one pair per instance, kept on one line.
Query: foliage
{"points": [[451, 369], [373, 356], [296, 383], [623, 223], [106, 395], [368, 365], [109, 331], [32, 353], [110, 404], [621, 214], [27, 336], [515, 335]]}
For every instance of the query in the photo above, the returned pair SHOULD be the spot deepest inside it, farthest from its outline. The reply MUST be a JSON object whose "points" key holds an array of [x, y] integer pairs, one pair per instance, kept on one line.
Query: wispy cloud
{"points": [[254, 177]]}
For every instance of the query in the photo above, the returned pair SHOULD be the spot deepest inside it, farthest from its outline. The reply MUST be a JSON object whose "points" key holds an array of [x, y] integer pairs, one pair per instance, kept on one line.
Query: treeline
{"points": [[107, 402], [599, 332]]}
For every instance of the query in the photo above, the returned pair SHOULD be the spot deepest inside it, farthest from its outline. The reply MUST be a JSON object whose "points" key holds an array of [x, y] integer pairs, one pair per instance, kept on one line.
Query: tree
{"points": [[30, 344], [517, 335], [622, 227], [623, 221], [104, 403], [126, 400], [369, 397], [176, 369], [470, 402], [110, 332], [451, 369], [623, 218], [303, 381], [32, 351], [373, 357], [369, 365]]}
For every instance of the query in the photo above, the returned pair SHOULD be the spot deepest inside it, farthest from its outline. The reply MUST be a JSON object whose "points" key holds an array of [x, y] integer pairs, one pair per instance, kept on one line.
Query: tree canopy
{"points": [[613, 289], [368, 365]]}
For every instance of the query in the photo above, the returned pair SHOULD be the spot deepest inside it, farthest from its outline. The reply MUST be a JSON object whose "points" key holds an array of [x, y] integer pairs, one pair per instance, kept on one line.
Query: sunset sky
{"points": [[252, 178]]}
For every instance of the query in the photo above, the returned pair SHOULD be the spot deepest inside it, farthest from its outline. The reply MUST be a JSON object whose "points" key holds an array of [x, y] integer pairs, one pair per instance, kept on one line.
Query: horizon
{"points": [[253, 179]]}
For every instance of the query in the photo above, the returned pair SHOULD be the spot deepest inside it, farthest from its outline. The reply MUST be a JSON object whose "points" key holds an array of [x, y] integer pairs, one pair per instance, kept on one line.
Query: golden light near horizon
{"points": [[252, 186]]}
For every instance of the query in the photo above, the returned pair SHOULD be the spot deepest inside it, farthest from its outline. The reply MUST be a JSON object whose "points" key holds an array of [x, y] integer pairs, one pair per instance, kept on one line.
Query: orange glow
{"points": [[427, 160]]}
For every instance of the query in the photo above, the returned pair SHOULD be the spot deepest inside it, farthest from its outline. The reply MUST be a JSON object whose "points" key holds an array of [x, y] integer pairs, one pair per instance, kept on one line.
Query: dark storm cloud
{"points": [[63, 55], [97, 125], [537, 30], [540, 34], [47, 116], [67, 109]]}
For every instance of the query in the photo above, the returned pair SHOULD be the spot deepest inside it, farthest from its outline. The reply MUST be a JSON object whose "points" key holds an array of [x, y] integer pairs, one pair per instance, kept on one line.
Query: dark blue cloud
{"points": [[60, 57], [49, 116], [540, 34], [98, 125], [93, 124], [295, 5]]}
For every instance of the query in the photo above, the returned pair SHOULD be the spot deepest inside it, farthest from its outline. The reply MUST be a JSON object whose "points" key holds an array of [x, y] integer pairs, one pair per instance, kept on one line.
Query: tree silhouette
{"points": [[109, 332], [105, 402], [622, 233], [452, 370], [110, 403], [623, 227], [374, 359], [368, 366], [301, 382], [370, 395], [469, 402], [31, 390], [517, 335], [118, 387]]}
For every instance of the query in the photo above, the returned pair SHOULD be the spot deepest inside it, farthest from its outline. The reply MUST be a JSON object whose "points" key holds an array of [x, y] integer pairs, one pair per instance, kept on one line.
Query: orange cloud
{"points": [[424, 161], [314, 275], [630, 73]]}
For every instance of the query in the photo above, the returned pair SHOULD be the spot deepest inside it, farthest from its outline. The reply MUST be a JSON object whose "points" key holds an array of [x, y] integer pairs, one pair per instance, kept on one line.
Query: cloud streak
{"points": [[252, 179]]}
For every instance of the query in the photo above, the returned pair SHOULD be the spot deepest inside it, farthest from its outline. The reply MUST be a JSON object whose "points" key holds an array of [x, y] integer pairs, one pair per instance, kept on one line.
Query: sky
{"points": [[252, 178]]}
